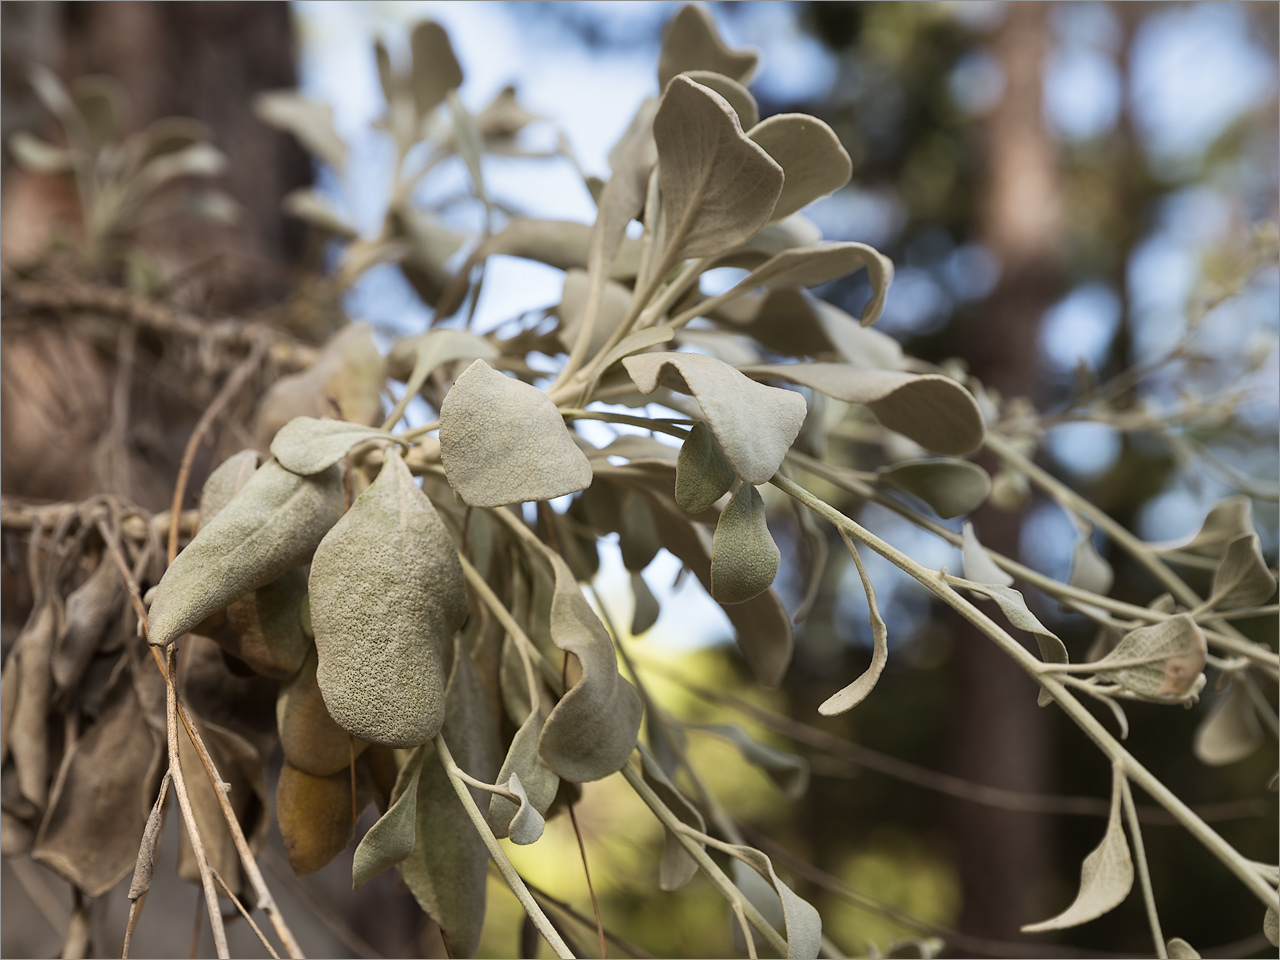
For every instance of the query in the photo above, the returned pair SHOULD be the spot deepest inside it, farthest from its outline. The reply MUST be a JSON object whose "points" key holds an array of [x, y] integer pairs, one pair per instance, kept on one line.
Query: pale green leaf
{"points": [[744, 557], [391, 839], [387, 595], [1230, 732], [647, 609], [527, 825], [691, 42], [306, 446], [678, 867], [951, 488], [503, 441], [738, 97], [1242, 578], [1105, 879], [1179, 949], [787, 770], [316, 209], [539, 782], [703, 475], [273, 524], [428, 245], [718, 187], [435, 68], [849, 697], [592, 730], [813, 160], [1159, 661], [978, 565], [311, 121], [638, 542], [796, 230], [754, 424], [934, 411]]}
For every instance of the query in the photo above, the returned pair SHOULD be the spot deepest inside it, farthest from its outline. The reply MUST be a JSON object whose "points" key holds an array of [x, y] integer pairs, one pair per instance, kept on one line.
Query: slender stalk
{"points": [[1144, 870], [670, 427], [509, 874], [1207, 836], [247, 918]]}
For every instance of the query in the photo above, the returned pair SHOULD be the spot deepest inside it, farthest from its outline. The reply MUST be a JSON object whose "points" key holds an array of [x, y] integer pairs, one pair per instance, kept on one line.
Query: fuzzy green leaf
{"points": [[703, 475], [539, 782], [615, 299], [503, 441], [691, 42], [754, 424], [1160, 661], [1105, 879], [592, 730], [387, 595], [744, 557], [718, 187], [951, 488], [738, 97], [391, 839], [413, 359], [306, 446], [812, 158], [797, 324], [273, 524]]}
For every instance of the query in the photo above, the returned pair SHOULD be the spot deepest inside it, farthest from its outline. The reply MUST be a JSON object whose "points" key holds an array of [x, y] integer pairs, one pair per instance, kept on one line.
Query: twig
{"points": [[568, 910], [328, 917], [595, 906], [1144, 870], [245, 913]]}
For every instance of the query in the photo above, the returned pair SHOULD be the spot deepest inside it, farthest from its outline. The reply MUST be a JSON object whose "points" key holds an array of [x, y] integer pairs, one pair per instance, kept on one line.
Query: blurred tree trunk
{"points": [[999, 734]]}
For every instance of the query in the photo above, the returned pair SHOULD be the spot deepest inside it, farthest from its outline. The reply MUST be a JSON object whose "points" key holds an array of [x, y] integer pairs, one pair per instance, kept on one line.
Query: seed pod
{"points": [[272, 525], [744, 558], [387, 595]]}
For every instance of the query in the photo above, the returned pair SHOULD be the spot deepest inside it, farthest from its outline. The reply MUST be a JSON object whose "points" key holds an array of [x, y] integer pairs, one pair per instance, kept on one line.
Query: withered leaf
{"points": [[314, 816], [311, 739]]}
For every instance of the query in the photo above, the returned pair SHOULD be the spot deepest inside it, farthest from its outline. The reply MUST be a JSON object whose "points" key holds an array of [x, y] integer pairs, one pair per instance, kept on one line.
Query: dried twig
{"points": [[245, 913]]}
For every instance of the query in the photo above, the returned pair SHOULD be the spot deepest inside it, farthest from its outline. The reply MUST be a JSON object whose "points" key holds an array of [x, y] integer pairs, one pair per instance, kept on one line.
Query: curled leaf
{"points": [[306, 446], [592, 730], [815, 164], [690, 42], [1242, 578], [738, 97], [1105, 878], [934, 411], [978, 565], [754, 424], [1230, 732], [718, 187], [744, 557], [1089, 571], [391, 839], [801, 922], [503, 441], [852, 695], [1227, 520], [387, 596], [90, 610], [951, 488], [539, 782], [527, 825], [1160, 661]]}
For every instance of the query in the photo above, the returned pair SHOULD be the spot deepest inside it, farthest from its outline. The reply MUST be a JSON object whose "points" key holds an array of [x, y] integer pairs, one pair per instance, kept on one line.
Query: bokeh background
{"points": [[1067, 190]]}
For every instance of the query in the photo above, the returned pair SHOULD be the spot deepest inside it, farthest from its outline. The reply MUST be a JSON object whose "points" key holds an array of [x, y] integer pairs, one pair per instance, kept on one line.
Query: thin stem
{"points": [[508, 872], [245, 913], [586, 872], [671, 427], [568, 911], [1207, 836], [1144, 871]]}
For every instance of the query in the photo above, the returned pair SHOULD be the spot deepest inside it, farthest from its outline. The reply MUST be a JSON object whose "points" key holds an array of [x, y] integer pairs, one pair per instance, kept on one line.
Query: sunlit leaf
{"points": [[951, 488], [1105, 879], [391, 839], [754, 424], [703, 475], [1230, 732], [387, 596], [503, 441], [311, 121], [636, 341], [1159, 661], [1227, 520], [413, 359], [614, 302], [1242, 578], [306, 446], [592, 730], [934, 411], [852, 695], [814, 162], [744, 557], [272, 525], [718, 187], [691, 42]]}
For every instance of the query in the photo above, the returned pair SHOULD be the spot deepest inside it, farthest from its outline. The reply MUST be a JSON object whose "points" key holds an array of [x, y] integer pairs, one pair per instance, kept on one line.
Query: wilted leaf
{"points": [[311, 121], [272, 525], [744, 557], [690, 42], [391, 839], [754, 424], [91, 610], [738, 97], [1179, 949], [789, 771], [311, 739], [951, 488], [677, 867], [978, 565], [1105, 879], [314, 815], [539, 781], [592, 730], [387, 596], [98, 809], [815, 165], [267, 625], [503, 441], [1230, 732], [1160, 661], [718, 187], [306, 446], [703, 475], [934, 411], [1242, 578], [852, 695], [29, 688], [435, 68], [144, 868], [647, 608], [802, 924]]}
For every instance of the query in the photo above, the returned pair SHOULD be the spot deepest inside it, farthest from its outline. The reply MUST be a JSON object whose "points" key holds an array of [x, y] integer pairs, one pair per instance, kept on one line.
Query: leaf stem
{"points": [[509, 874], [1144, 871]]}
